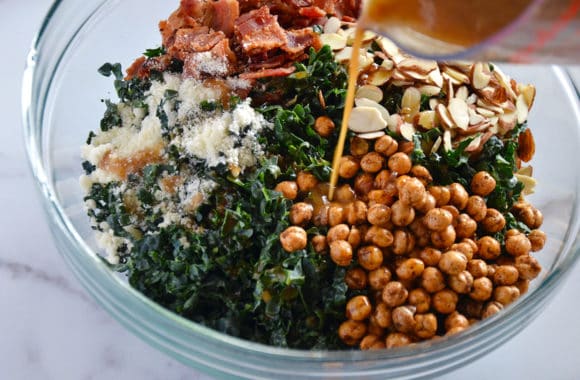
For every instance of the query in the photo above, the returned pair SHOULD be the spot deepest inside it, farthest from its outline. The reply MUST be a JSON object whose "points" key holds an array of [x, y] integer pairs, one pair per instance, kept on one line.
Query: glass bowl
{"points": [[61, 93]]}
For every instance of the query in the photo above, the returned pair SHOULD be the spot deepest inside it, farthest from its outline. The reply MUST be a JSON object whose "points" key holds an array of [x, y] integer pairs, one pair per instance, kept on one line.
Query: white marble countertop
{"points": [[51, 329]]}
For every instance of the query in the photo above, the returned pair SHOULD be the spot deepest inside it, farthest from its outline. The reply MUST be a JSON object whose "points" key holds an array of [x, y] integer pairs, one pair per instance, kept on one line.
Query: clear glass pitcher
{"points": [[522, 31]]}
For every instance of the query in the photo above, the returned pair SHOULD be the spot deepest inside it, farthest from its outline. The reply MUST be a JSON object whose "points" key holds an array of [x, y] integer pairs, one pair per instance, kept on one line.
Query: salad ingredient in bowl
{"points": [[208, 180]]}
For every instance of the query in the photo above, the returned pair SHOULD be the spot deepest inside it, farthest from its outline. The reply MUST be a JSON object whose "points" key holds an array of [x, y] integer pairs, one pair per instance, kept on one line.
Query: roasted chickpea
{"points": [[370, 257], [430, 256], [339, 232], [358, 147], [523, 286], [443, 239], [420, 299], [518, 245], [382, 315], [506, 294], [482, 184], [379, 215], [386, 145], [356, 213], [406, 147], [454, 330], [491, 308], [386, 181], [421, 233], [403, 242], [422, 173], [425, 325], [394, 294], [410, 269], [400, 163], [404, 319], [348, 167], [427, 204], [528, 214], [397, 339], [432, 280], [453, 210], [445, 301], [381, 237], [363, 184], [372, 342], [465, 227], [494, 221], [306, 181], [412, 192], [344, 194], [289, 189], [505, 275], [372, 162], [402, 214], [464, 248], [477, 268], [488, 248], [456, 319], [476, 208], [336, 214], [301, 213], [459, 195], [452, 262], [437, 219], [319, 243], [441, 194], [373, 328], [527, 267], [537, 239], [324, 126], [354, 237], [471, 308], [293, 239], [358, 308], [356, 278], [481, 289], [379, 278], [461, 283], [379, 197], [351, 332], [341, 253]]}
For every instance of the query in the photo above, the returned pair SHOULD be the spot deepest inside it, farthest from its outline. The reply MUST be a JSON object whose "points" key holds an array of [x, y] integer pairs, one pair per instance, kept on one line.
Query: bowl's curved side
{"points": [[204, 348]]}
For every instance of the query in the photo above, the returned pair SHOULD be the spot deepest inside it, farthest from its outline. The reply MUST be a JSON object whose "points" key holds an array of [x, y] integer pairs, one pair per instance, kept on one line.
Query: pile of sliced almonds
{"points": [[479, 99]]}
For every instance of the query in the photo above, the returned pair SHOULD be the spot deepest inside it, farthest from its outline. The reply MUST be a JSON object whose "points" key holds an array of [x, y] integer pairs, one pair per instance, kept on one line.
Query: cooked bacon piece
{"points": [[266, 63], [299, 40], [220, 61], [223, 15], [267, 73], [194, 8], [258, 31], [193, 40], [142, 66], [312, 12]]}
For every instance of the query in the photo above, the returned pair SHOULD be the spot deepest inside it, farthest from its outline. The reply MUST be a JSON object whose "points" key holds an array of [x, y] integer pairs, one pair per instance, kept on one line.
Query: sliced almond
{"points": [[444, 116], [407, 131], [419, 66], [371, 135], [414, 75], [388, 47], [379, 77], [505, 82], [449, 89], [457, 76], [484, 112], [365, 60], [474, 144], [366, 120], [462, 93], [410, 104], [344, 55], [480, 77], [526, 170], [433, 103], [471, 99], [529, 93], [427, 119], [507, 122], [402, 83], [334, 40], [394, 123], [332, 25], [436, 145], [388, 64], [458, 111], [436, 78], [365, 102], [474, 117], [447, 141], [370, 92], [529, 183], [496, 109], [429, 90]]}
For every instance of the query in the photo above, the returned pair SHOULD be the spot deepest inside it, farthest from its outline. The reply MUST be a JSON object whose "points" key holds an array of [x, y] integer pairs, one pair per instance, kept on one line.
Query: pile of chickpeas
{"points": [[421, 257]]}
